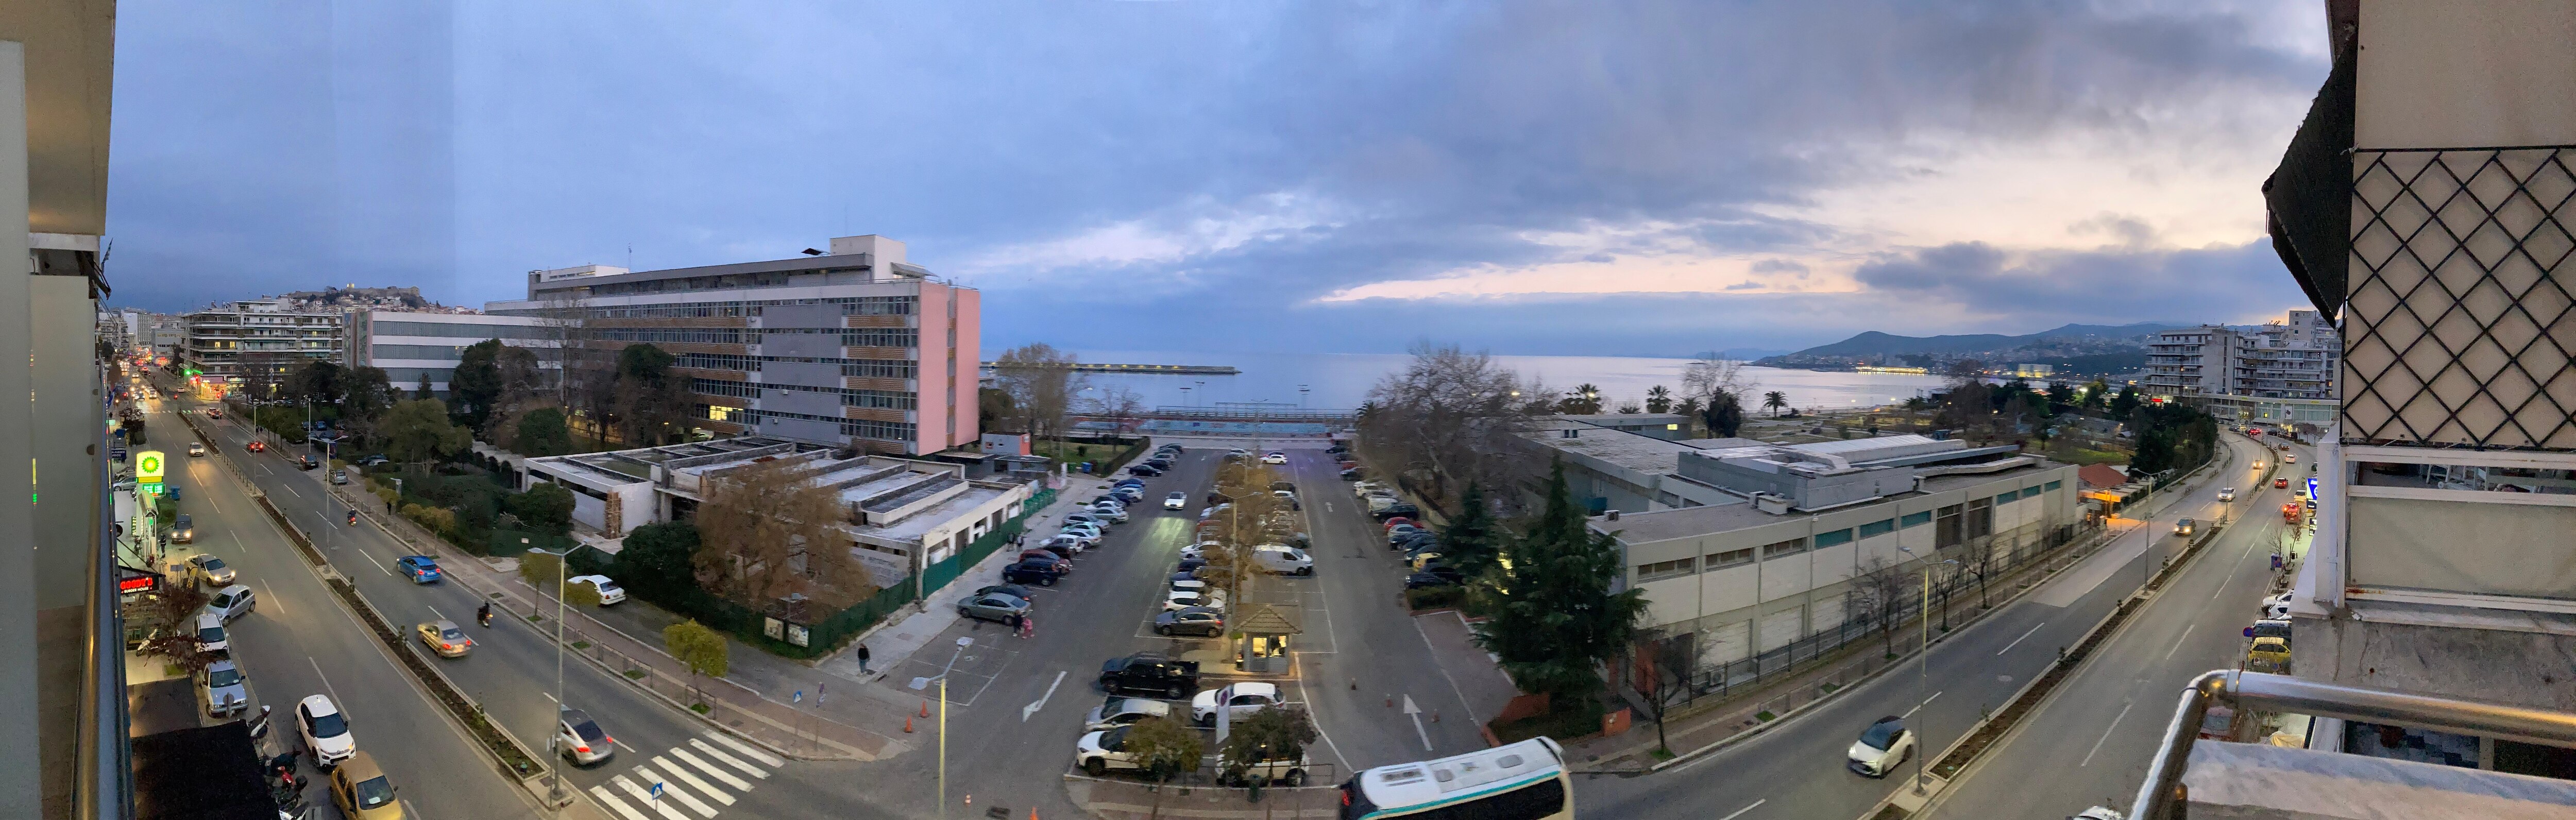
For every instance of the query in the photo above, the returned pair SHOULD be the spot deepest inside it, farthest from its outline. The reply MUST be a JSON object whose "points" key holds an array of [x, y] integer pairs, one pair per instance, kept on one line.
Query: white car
{"points": [[1200, 550], [325, 731], [1274, 457], [1178, 600], [1177, 500], [2277, 607], [1086, 530], [1098, 752], [1241, 699], [1120, 710], [1091, 518], [2226, 493], [1885, 745], [609, 591], [211, 570], [210, 635]]}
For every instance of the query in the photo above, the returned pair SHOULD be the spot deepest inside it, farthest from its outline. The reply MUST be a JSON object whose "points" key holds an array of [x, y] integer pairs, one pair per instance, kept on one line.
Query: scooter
{"points": [[484, 616]]}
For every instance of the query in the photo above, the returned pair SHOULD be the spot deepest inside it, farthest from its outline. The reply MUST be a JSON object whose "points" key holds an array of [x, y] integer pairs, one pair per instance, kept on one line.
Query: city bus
{"points": [[1519, 781]]}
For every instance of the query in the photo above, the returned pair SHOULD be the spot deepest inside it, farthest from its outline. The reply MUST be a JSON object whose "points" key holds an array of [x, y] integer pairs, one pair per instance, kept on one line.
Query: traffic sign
{"points": [[147, 467]]}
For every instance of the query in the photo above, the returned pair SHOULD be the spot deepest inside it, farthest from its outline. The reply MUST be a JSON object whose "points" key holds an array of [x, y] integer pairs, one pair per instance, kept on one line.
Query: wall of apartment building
{"points": [[1740, 605], [409, 345]]}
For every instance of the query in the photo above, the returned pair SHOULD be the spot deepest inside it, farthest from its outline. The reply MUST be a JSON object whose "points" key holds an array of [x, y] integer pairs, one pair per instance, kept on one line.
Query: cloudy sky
{"points": [[1640, 178]]}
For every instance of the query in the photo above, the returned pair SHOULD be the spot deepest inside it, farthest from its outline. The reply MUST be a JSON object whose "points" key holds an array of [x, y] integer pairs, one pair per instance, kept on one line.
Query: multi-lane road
{"points": [[1797, 771], [301, 642]]}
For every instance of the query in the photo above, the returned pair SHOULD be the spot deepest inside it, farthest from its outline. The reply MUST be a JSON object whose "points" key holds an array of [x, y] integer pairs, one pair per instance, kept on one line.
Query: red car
{"points": [[2280, 484], [214, 412], [256, 447]]}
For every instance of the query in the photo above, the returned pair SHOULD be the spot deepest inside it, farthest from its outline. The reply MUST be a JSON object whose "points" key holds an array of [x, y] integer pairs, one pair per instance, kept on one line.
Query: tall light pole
{"points": [[962, 643], [555, 790], [1923, 677]]}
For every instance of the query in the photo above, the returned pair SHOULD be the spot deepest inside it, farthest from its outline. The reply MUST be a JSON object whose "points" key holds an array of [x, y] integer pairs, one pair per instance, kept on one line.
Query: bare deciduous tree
{"points": [[1981, 558], [767, 529], [1879, 588], [1451, 418], [1041, 383], [1666, 682]]}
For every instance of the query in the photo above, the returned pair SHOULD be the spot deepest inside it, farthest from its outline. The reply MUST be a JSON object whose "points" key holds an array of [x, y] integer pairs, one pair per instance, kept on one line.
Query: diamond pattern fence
{"points": [[2460, 320]]}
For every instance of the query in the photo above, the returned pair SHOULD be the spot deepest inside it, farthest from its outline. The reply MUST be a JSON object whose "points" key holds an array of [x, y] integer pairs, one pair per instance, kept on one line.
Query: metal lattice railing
{"points": [[2460, 319]]}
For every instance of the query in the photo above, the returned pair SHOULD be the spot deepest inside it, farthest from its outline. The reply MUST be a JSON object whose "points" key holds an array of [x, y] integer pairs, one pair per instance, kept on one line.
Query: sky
{"points": [[1575, 178]]}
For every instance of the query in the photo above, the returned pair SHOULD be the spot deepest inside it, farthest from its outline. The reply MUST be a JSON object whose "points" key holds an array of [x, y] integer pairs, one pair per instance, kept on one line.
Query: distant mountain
{"points": [[1874, 343], [1740, 354]]}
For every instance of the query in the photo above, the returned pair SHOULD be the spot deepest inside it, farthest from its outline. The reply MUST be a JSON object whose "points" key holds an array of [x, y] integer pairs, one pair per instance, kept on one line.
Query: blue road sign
{"points": [[656, 791]]}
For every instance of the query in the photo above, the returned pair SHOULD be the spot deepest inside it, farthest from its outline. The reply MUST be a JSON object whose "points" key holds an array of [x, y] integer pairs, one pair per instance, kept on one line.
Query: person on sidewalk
{"points": [[863, 659]]}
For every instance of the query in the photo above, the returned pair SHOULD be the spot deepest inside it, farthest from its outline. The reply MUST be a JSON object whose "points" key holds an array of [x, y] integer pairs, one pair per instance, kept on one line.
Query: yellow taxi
{"points": [[362, 791], [2268, 654]]}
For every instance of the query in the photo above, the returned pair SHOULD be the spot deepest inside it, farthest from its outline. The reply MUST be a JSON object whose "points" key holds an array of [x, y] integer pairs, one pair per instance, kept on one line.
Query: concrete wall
{"points": [[2459, 75]]}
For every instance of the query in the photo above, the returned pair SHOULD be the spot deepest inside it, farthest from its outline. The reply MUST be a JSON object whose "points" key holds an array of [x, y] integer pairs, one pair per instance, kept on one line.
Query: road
{"points": [[2110, 716], [1797, 769], [1016, 705], [511, 670]]}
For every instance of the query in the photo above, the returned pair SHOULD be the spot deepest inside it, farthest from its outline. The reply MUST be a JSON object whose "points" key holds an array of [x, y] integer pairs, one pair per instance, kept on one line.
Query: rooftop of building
{"points": [[623, 467], [912, 527], [1693, 522], [1624, 419], [1645, 454]]}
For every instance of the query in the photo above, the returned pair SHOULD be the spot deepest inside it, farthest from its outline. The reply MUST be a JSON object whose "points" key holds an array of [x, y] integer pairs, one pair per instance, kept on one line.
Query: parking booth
{"points": [[1262, 641]]}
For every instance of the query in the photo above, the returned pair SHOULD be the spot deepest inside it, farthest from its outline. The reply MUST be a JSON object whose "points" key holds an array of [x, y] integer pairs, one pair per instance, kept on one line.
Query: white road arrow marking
{"points": [[1031, 709], [1415, 712]]}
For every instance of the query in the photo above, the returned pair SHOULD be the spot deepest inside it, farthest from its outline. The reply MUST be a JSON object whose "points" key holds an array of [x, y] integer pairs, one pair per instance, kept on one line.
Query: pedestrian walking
{"points": [[1016, 622], [1028, 627], [863, 659]]}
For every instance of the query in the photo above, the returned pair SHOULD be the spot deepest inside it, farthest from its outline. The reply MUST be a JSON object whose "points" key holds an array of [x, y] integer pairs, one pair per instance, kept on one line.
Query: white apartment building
{"points": [[236, 345], [2295, 359], [411, 346]]}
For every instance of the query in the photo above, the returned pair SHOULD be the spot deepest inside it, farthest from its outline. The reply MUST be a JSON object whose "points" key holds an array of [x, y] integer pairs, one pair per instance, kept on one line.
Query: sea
{"points": [[1342, 380]]}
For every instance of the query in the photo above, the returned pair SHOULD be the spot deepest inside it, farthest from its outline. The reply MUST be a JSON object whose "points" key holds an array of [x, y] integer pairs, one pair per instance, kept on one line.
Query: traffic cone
{"points": [[907, 724], [925, 708], [1033, 813]]}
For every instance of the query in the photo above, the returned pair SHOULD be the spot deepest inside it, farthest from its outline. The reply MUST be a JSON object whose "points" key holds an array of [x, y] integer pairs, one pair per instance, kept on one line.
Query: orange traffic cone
{"points": [[925, 708], [907, 724], [1033, 813]]}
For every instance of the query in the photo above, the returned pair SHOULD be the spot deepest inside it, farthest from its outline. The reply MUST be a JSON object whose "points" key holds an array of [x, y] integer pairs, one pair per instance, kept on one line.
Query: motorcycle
{"points": [[484, 616]]}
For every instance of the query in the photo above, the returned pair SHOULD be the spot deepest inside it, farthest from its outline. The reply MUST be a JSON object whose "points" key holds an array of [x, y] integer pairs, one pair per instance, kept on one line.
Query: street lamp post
{"points": [[1923, 676], [962, 643], [563, 564]]}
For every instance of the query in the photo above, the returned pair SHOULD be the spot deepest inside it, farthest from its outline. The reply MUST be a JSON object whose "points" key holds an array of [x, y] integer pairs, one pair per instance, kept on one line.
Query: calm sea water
{"points": [[1342, 380]]}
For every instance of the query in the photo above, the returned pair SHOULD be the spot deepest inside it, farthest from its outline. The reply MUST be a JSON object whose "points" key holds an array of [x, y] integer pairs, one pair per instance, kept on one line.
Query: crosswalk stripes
{"points": [[692, 773]]}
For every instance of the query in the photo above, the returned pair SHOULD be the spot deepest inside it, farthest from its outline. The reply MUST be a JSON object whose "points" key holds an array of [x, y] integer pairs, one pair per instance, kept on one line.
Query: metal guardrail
{"points": [[2161, 795]]}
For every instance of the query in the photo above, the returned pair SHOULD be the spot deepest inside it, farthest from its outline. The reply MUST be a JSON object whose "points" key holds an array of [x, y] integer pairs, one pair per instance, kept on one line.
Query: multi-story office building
{"points": [[2425, 202], [856, 348], [252, 344], [413, 347]]}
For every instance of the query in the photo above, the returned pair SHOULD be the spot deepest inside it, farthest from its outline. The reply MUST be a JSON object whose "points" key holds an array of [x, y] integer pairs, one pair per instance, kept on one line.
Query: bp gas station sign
{"points": [[147, 471]]}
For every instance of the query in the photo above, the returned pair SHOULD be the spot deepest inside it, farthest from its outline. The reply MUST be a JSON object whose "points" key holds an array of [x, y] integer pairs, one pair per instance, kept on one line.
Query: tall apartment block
{"points": [[62, 671], [252, 344], [856, 348], [2429, 201], [423, 348], [2282, 360]]}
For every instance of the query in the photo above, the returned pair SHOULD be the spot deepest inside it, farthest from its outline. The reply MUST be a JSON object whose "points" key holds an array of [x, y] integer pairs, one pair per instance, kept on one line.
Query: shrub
{"points": [[701, 649], [1434, 597], [546, 507], [540, 568], [434, 519], [387, 494]]}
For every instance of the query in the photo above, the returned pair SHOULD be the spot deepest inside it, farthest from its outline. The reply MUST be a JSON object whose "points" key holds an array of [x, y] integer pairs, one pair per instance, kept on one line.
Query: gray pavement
{"points": [[512, 669], [1797, 769], [2096, 735]]}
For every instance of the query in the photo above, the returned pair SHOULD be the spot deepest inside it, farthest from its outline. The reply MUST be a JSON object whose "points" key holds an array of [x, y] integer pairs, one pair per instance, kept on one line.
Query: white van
{"points": [[210, 635], [1283, 560]]}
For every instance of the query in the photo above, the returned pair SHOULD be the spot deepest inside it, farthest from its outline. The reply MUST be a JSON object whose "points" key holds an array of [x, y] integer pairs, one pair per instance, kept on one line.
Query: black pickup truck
{"points": [[1149, 673]]}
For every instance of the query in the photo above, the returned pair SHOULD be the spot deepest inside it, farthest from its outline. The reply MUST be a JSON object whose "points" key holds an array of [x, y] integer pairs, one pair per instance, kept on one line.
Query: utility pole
{"points": [[942, 800], [555, 791]]}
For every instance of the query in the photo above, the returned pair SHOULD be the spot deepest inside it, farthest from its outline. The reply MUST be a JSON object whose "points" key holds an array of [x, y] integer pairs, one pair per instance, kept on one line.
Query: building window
{"points": [[1981, 518], [2008, 498], [1918, 519], [881, 337], [1831, 539], [879, 369], [1663, 569], [1877, 528], [1949, 530], [2030, 492], [1730, 558], [2053, 485], [1790, 547]]}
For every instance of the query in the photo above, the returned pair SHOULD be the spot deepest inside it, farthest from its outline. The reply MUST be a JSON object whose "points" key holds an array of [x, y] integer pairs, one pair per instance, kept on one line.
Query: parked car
{"points": [[2270, 628], [305, 461], [1094, 519], [2268, 655], [1013, 590], [1098, 752], [362, 791], [1191, 564], [232, 602], [214, 412], [1176, 501], [1030, 572], [210, 569], [1178, 600], [1265, 766], [1120, 710], [1398, 508], [1274, 457], [1392, 522], [2277, 606], [1065, 546], [1146, 469], [1434, 577], [1240, 699], [211, 639], [580, 739], [1197, 620], [1289, 497], [1149, 673], [325, 731], [609, 591], [1881, 747], [183, 530], [1283, 560], [196, 448], [1351, 474], [995, 607], [421, 569], [442, 637], [220, 686], [1082, 528]]}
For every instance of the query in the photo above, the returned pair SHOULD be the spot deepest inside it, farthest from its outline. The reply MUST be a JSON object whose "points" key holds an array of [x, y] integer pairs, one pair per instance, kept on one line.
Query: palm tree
{"points": [[1659, 399], [1774, 401]]}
